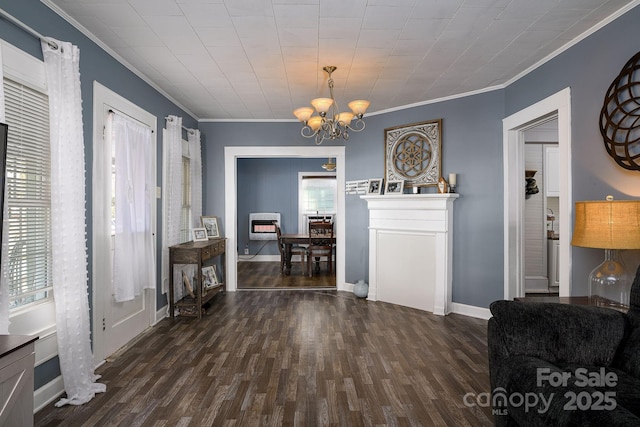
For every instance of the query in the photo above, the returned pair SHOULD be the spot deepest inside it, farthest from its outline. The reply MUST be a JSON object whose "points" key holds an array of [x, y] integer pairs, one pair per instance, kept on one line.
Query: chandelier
{"points": [[330, 123], [330, 165]]}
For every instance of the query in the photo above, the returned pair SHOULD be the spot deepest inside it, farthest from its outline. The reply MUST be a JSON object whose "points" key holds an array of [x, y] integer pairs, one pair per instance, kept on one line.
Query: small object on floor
{"points": [[361, 289]]}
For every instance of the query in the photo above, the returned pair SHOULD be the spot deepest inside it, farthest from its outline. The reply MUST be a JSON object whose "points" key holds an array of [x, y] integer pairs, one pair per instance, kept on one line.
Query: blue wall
{"points": [[270, 185], [95, 64], [471, 147], [588, 68]]}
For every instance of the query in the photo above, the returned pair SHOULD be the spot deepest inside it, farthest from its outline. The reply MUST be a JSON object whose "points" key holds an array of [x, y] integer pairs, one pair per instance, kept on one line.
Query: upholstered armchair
{"points": [[556, 364]]}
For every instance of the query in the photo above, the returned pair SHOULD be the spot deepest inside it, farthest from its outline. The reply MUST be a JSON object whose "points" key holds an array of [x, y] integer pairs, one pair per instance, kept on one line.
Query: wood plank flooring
{"points": [[294, 358], [266, 275]]}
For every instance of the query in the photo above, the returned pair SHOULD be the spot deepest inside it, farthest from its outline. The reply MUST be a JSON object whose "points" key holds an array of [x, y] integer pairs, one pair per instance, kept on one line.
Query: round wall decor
{"points": [[620, 116]]}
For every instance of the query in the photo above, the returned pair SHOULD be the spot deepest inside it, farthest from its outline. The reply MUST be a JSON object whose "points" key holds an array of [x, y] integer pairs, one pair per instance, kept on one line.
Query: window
{"points": [[317, 196], [28, 194]]}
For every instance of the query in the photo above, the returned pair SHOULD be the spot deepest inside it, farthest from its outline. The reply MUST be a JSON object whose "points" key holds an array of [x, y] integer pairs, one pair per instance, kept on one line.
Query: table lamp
{"points": [[609, 225]]}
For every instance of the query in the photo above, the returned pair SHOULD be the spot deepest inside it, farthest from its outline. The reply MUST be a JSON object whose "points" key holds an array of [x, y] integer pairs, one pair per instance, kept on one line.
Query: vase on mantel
{"points": [[361, 289]]}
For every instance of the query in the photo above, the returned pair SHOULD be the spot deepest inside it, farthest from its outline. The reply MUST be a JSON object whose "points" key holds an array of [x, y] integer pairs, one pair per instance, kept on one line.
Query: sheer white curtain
{"points": [[134, 259], [195, 159], [4, 283], [172, 152], [69, 251]]}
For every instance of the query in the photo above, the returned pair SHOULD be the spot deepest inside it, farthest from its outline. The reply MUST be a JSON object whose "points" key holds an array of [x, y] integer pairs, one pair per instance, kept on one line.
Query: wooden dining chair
{"points": [[295, 250], [320, 245]]}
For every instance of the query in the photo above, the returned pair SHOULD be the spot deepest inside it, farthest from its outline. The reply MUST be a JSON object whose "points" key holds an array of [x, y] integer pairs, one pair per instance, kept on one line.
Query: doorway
{"points": [[114, 323], [232, 154], [557, 105]]}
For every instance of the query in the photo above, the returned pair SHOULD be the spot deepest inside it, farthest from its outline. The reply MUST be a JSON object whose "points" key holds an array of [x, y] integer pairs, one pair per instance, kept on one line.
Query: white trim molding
{"points": [[231, 156], [513, 127]]}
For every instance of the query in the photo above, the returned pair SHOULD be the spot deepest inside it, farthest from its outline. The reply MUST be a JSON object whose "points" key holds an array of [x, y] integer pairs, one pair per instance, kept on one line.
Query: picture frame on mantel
{"points": [[413, 153], [375, 186], [394, 187]]}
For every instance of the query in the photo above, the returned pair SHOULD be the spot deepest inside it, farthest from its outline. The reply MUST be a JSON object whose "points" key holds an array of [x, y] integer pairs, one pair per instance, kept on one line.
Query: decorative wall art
{"points": [[412, 153], [620, 116]]}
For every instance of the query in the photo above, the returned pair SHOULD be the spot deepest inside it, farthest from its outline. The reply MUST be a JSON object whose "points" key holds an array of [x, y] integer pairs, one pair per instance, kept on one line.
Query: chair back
{"points": [[279, 236], [321, 234]]}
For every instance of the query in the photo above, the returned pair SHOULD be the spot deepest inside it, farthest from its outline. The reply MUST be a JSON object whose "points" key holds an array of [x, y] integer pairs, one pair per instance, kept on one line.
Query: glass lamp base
{"points": [[609, 282]]}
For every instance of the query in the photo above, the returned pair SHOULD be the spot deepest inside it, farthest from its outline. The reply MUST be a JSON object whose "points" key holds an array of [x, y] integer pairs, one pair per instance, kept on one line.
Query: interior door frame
{"points": [[513, 128], [231, 156]]}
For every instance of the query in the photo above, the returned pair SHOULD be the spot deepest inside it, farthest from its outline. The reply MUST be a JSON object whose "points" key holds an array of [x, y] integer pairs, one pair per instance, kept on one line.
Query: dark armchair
{"points": [[556, 364]]}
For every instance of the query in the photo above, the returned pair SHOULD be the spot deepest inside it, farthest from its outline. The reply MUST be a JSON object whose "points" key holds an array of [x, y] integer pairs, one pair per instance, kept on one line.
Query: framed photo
{"points": [[375, 186], [413, 153], [210, 223], [394, 187], [187, 284], [199, 234], [209, 278]]}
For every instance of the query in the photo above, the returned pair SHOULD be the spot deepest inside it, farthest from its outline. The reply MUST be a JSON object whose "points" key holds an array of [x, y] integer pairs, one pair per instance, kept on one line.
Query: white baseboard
{"points": [[48, 393], [471, 311], [161, 314], [346, 286]]}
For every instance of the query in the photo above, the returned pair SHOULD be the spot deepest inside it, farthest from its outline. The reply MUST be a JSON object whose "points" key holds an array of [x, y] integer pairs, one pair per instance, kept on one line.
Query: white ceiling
{"points": [[260, 59]]}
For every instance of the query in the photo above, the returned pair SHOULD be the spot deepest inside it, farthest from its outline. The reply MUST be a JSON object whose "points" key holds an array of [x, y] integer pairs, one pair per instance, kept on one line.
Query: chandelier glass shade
{"points": [[330, 122]]}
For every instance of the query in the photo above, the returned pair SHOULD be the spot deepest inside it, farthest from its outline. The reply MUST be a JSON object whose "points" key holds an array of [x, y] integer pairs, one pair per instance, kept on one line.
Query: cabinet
{"points": [[17, 358], [200, 254], [552, 171]]}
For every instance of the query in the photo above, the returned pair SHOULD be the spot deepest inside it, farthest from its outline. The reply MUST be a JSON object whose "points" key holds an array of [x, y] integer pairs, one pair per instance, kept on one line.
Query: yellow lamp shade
{"points": [[613, 224], [314, 123], [358, 106], [303, 113], [322, 105], [344, 118]]}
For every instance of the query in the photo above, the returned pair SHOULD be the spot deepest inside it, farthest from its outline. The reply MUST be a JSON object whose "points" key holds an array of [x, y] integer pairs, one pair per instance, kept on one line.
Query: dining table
{"points": [[289, 240]]}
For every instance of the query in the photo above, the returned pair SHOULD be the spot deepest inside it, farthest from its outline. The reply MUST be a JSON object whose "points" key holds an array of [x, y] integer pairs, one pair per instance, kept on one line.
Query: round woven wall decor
{"points": [[620, 116]]}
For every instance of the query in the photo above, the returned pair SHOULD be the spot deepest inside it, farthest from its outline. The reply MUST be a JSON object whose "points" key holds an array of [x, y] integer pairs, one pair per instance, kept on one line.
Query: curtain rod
{"points": [[183, 127], [28, 29]]}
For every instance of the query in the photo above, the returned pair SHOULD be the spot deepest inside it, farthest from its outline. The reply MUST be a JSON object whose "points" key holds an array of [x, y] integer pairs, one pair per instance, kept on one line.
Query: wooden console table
{"points": [[199, 253]]}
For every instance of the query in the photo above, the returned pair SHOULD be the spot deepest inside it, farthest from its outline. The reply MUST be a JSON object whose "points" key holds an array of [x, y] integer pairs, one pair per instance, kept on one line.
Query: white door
{"points": [[114, 323]]}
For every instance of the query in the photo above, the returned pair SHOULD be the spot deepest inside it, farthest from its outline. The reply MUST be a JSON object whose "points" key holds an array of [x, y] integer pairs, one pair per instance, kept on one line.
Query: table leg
{"points": [[287, 259]]}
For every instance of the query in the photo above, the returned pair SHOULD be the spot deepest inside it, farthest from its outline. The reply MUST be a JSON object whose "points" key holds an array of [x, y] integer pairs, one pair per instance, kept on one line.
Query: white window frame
{"points": [[37, 318], [303, 214]]}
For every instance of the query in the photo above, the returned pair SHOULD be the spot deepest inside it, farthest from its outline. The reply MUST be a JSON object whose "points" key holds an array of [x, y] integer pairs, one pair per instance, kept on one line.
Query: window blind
{"points": [[28, 194]]}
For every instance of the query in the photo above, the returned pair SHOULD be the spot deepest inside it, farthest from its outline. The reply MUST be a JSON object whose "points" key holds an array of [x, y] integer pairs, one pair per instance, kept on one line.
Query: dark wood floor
{"points": [[299, 358], [266, 275]]}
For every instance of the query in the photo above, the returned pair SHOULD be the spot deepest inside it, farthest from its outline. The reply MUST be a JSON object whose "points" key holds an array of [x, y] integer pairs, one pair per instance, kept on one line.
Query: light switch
{"points": [[158, 192]]}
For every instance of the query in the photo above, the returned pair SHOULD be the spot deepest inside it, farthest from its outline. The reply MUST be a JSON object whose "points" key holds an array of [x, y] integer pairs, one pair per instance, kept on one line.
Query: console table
{"points": [[17, 358], [201, 254]]}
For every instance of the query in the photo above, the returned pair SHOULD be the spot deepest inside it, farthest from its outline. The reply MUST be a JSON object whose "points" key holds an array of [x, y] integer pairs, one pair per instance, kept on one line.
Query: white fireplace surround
{"points": [[410, 250]]}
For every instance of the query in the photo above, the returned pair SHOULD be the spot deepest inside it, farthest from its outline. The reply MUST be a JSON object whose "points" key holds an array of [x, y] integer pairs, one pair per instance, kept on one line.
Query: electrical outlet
{"points": [[246, 251]]}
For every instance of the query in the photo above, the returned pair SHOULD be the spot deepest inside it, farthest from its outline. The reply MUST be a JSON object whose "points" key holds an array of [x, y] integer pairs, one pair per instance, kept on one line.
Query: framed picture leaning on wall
{"points": [[210, 223]]}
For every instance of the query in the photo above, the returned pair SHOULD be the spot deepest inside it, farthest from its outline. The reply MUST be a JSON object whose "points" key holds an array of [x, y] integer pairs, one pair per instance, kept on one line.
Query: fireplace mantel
{"points": [[410, 250]]}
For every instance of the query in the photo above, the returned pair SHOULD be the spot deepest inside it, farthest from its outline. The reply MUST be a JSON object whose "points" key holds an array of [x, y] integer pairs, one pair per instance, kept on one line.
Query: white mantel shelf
{"points": [[410, 250]]}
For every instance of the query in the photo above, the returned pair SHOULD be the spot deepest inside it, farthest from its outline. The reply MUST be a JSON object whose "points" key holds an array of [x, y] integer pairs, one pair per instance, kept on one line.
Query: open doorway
{"points": [[288, 191], [232, 154], [514, 127]]}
